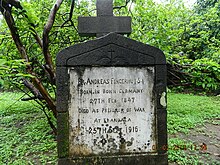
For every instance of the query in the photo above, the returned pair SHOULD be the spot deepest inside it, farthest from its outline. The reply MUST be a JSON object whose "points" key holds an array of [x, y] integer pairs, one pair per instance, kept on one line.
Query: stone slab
{"points": [[90, 26], [112, 110], [88, 59], [117, 160], [127, 52], [104, 7]]}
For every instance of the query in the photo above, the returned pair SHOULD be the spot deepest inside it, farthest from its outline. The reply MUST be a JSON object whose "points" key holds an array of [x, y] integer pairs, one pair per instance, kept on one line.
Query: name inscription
{"points": [[111, 110]]}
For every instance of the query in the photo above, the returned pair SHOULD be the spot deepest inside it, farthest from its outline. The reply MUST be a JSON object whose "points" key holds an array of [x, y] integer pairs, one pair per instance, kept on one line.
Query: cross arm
{"points": [[92, 26]]}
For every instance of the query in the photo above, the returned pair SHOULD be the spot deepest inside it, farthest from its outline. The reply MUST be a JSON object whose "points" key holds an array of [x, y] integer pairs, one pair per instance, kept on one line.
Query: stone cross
{"points": [[105, 22]]}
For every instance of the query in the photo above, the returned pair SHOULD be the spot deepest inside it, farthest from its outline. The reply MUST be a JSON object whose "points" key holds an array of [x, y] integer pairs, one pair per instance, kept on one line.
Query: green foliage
{"points": [[204, 5], [160, 25], [201, 73], [176, 29], [176, 152], [206, 74], [31, 20], [12, 72], [26, 17], [201, 39]]}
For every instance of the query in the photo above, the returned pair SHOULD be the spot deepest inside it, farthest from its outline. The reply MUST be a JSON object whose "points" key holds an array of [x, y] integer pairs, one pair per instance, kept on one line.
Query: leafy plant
{"points": [[201, 38], [176, 152], [13, 71], [205, 74]]}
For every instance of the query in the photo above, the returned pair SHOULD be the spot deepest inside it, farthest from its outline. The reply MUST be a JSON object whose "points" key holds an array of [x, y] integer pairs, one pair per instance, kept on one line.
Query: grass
{"points": [[25, 136], [176, 152], [186, 111]]}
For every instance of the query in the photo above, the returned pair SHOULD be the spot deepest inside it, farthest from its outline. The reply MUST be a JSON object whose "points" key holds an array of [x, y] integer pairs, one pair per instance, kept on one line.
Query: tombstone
{"points": [[111, 98]]}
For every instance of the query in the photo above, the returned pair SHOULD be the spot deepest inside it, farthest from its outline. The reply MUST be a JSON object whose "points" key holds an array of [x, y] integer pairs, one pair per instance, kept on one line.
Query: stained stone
{"points": [[110, 105], [105, 22]]}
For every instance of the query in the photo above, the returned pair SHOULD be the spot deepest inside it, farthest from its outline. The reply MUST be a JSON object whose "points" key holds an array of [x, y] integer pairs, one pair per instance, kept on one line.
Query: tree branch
{"points": [[45, 94], [32, 89], [43, 109], [123, 6], [10, 22], [70, 15], [46, 32], [6, 11], [37, 38]]}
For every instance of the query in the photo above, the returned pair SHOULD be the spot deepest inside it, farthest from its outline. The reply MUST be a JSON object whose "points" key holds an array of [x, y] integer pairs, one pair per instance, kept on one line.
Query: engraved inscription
{"points": [[111, 110]]}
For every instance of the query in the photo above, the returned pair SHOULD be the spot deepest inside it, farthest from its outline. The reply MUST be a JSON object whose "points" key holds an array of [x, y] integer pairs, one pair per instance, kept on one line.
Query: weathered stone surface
{"points": [[62, 89], [117, 160], [91, 26], [112, 50], [104, 7], [63, 133], [111, 110]]}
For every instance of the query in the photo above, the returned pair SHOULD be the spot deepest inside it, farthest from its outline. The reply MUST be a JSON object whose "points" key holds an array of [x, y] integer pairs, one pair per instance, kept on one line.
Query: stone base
{"points": [[117, 160]]}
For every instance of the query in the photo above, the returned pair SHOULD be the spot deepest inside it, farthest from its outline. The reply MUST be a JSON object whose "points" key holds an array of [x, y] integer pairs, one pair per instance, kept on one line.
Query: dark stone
{"points": [[162, 130], [91, 26], [105, 22], [63, 135], [104, 8], [62, 89], [117, 160], [112, 50]]}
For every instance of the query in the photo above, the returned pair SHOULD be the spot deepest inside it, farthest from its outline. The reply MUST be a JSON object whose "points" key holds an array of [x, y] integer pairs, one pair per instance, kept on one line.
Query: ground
{"points": [[206, 139]]}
